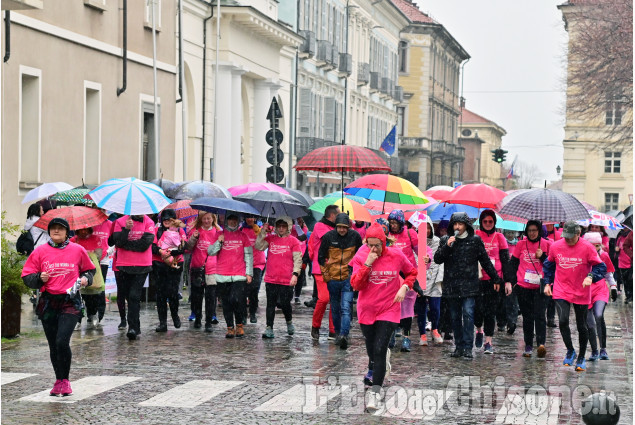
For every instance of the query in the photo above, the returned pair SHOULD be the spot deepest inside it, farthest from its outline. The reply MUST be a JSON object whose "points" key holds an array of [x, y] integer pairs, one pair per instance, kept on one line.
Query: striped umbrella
{"points": [[545, 205], [601, 219], [389, 206], [129, 196], [339, 194], [386, 188], [73, 196], [355, 210]]}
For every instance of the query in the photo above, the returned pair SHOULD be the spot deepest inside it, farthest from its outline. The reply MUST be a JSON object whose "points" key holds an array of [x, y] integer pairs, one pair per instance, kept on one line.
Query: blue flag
{"points": [[388, 145]]}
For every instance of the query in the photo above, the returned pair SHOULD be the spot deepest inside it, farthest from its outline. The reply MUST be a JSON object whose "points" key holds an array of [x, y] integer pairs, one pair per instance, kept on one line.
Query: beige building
{"points": [[429, 69], [596, 170], [476, 129], [65, 115]]}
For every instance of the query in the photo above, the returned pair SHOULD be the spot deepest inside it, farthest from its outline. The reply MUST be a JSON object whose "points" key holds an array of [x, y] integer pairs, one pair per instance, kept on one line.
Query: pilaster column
{"points": [[236, 127], [223, 162], [264, 91]]}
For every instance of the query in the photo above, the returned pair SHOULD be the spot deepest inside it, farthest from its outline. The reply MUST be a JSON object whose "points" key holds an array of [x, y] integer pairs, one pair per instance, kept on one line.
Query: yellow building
{"points": [[596, 168]]}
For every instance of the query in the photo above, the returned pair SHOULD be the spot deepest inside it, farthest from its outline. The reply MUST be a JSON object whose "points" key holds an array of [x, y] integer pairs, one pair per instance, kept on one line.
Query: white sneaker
{"points": [[372, 401], [78, 326], [428, 326], [388, 366]]}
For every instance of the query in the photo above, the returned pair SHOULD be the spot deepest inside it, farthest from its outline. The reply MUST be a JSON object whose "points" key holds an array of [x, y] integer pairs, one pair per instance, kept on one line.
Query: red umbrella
{"points": [[183, 210], [342, 158], [477, 195], [439, 195], [77, 217]]}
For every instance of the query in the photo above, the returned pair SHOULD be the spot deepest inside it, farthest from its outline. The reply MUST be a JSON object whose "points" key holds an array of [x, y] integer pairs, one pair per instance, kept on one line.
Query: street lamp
{"points": [[558, 169]]}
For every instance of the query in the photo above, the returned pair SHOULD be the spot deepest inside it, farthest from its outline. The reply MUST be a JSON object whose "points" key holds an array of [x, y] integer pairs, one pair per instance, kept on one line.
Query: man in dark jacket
{"points": [[337, 249], [461, 254]]}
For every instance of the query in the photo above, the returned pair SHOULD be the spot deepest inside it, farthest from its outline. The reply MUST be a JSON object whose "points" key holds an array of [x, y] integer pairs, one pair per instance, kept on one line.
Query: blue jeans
{"points": [[462, 312], [421, 308], [341, 295]]}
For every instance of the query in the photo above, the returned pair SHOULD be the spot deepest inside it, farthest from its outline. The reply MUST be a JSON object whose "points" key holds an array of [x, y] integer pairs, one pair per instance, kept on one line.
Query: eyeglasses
{"points": [[532, 230], [487, 221], [371, 246]]}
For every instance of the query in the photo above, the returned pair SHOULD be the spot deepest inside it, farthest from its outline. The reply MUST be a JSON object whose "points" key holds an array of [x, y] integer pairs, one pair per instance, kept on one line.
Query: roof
{"points": [[469, 117], [412, 12]]}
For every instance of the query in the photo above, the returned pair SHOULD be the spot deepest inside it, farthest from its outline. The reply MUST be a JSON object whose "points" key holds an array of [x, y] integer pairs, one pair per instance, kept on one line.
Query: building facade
{"points": [[596, 168], [479, 136], [70, 111], [429, 69]]}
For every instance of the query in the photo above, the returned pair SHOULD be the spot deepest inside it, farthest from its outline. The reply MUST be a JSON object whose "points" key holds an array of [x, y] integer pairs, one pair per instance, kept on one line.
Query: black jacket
{"points": [[460, 272]]}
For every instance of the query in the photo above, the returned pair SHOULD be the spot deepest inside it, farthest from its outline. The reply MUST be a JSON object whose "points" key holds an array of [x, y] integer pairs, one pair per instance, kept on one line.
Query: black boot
{"points": [[177, 321], [163, 327]]}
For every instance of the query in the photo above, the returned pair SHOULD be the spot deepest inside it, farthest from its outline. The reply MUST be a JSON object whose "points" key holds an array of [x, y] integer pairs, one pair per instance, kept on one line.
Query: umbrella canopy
{"points": [[301, 196], [223, 205], [252, 187], [129, 196], [164, 184], [386, 188], [506, 224], [77, 217], [355, 210], [45, 190], [389, 206], [443, 211], [601, 219], [200, 189], [477, 195], [184, 211], [588, 206], [628, 217], [77, 195], [320, 206], [274, 204], [545, 205], [441, 187], [342, 158], [340, 194], [438, 195]]}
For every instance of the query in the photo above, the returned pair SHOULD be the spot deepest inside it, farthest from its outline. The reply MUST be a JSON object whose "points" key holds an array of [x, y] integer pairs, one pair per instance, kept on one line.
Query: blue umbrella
{"points": [[443, 211], [222, 205], [129, 196], [506, 224]]}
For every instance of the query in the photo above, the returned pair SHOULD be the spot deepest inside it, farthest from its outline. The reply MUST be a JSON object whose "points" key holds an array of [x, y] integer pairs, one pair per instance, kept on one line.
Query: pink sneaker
{"points": [[57, 388], [65, 387]]}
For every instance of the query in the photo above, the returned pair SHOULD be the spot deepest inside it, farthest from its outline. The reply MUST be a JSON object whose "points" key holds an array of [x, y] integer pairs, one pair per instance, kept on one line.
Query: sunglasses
{"points": [[487, 221]]}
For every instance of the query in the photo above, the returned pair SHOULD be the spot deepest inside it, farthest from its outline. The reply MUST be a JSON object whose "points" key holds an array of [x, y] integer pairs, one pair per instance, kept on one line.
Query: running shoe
{"points": [[438, 339], [65, 387], [569, 358], [580, 365], [192, 317], [290, 328], [467, 353], [214, 320], [423, 340], [373, 401], [603, 354], [332, 336], [315, 333], [528, 351], [123, 325], [478, 340], [595, 355], [488, 349], [268, 334], [57, 388], [405, 345], [429, 326]]}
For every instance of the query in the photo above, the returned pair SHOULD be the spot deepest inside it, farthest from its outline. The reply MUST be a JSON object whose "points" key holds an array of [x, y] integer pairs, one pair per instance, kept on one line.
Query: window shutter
{"points": [[329, 119], [304, 127]]}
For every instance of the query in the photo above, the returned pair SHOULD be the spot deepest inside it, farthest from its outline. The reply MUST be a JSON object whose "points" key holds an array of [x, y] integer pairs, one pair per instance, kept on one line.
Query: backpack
{"points": [[25, 244]]}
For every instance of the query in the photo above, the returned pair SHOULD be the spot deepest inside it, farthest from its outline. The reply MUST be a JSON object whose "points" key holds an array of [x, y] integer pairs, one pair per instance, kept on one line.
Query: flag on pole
{"points": [[510, 173], [388, 145]]}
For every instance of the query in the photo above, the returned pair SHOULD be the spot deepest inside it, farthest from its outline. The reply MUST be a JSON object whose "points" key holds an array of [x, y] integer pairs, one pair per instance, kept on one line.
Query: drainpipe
{"points": [[294, 106], [181, 82], [7, 35], [125, 48], [204, 92]]}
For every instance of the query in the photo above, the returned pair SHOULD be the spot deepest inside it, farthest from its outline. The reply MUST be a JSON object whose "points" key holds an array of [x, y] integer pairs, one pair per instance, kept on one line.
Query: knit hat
{"points": [[398, 216], [376, 231], [593, 237], [384, 224]]}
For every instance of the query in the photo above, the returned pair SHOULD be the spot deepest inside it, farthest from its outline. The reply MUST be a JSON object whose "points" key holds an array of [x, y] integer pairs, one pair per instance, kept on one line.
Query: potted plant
{"points": [[12, 286]]}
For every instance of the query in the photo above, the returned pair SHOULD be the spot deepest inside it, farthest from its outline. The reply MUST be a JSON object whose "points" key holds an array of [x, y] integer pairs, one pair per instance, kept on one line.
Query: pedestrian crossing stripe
{"points": [[302, 398], [7, 377], [191, 394], [82, 389]]}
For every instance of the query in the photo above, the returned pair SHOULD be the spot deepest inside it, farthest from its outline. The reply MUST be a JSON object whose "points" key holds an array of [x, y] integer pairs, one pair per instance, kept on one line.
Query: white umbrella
{"points": [[129, 196], [45, 190]]}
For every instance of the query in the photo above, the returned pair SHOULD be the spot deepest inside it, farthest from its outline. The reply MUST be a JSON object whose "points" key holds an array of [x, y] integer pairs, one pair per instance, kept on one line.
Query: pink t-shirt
{"points": [[319, 230], [259, 256], [62, 264], [375, 302], [199, 252], [132, 258], [623, 260], [493, 244], [573, 264], [103, 232], [280, 258], [231, 257], [170, 239], [529, 267], [360, 230], [408, 242], [600, 290], [304, 244]]}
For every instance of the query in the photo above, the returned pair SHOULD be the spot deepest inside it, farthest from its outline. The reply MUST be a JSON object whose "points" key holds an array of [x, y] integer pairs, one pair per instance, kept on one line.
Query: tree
{"points": [[600, 66], [525, 175]]}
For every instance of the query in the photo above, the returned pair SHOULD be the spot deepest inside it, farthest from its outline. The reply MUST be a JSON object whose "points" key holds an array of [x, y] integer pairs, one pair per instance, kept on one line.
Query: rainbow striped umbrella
{"points": [[355, 210], [386, 188]]}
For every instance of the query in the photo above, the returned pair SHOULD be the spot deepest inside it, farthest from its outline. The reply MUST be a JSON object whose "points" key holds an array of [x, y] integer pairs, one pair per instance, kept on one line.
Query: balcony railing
{"points": [[304, 145]]}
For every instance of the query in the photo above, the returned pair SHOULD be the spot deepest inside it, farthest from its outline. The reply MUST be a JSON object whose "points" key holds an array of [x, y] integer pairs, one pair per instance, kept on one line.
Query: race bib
{"points": [[532, 277]]}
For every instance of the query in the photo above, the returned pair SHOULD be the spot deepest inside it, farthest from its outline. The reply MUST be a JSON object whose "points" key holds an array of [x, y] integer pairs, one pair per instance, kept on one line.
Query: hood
{"points": [[289, 224], [430, 226], [343, 220], [377, 231], [487, 213], [30, 222], [460, 217], [167, 214]]}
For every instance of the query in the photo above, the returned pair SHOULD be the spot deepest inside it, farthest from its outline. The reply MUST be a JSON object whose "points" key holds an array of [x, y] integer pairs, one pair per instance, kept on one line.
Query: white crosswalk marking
{"points": [[191, 394], [408, 403], [82, 389], [302, 398], [7, 377], [525, 410]]}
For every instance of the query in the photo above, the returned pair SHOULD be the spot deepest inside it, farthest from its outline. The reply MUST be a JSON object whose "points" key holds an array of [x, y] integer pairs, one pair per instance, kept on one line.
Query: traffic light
{"points": [[498, 155], [503, 154], [494, 155]]}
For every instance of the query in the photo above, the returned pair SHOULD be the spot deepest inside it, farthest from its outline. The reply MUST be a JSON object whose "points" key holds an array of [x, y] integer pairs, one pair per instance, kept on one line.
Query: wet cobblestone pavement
{"points": [[186, 376]]}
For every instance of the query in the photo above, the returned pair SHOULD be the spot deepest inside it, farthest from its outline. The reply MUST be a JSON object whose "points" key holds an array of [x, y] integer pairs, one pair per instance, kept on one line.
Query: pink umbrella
{"points": [[252, 187], [477, 195]]}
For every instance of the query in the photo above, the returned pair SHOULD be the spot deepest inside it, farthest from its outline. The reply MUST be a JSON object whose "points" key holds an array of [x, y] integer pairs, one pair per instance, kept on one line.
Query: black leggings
{"points": [[377, 338], [596, 324], [199, 290], [297, 289], [132, 284], [252, 290], [167, 280], [122, 295], [232, 295], [406, 324], [485, 308], [532, 306], [278, 294], [564, 307], [58, 329]]}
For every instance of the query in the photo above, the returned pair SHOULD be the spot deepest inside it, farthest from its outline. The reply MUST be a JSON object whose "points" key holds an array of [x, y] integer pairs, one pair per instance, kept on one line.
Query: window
{"points": [[401, 112], [612, 162], [157, 13], [30, 127], [613, 113], [611, 201], [150, 168], [92, 132]]}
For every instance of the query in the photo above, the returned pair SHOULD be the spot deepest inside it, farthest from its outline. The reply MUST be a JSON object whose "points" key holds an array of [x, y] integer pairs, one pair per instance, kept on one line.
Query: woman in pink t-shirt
{"points": [[202, 269], [526, 261], [376, 269], [284, 262], [58, 269]]}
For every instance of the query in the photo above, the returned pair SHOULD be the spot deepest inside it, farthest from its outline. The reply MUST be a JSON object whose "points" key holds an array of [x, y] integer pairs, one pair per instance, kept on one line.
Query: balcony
{"points": [[323, 56], [304, 145], [397, 94], [346, 65], [363, 74], [438, 148], [375, 82], [335, 57], [307, 48]]}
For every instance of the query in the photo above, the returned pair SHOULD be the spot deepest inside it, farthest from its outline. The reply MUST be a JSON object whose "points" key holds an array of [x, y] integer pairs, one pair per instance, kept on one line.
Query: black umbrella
{"points": [[164, 184], [222, 205], [301, 196], [628, 217], [274, 204]]}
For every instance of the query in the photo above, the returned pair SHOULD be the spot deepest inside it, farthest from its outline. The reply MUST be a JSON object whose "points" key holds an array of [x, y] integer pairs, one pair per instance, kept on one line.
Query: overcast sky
{"points": [[516, 73]]}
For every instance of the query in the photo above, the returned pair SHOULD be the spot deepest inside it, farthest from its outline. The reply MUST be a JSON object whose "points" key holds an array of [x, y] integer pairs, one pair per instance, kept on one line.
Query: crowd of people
{"points": [[475, 280]]}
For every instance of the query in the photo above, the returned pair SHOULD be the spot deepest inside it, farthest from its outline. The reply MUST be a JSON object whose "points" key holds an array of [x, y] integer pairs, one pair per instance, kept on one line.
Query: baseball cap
{"points": [[570, 229]]}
